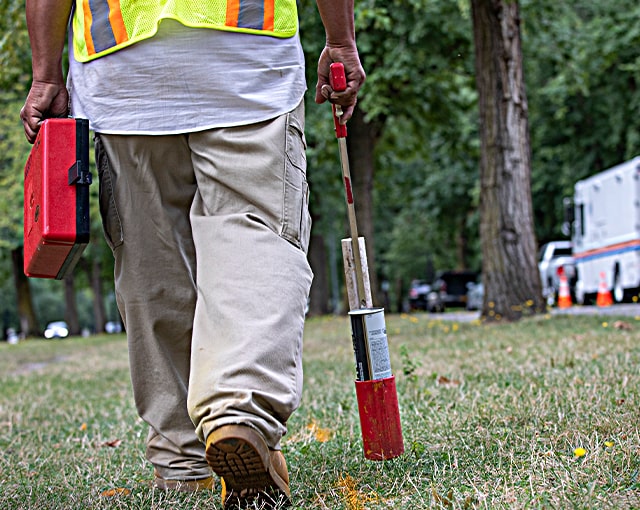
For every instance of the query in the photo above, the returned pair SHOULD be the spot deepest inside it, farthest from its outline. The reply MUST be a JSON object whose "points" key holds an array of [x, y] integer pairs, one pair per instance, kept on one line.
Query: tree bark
{"points": [[71, 306], [511, 279], [26, 310], [361, 142], [99, 313], [319, 297]]}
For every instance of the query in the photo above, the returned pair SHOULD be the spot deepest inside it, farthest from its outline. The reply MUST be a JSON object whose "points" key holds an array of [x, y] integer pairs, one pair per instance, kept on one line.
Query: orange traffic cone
{"points": [[604, 294], [564, 295]]}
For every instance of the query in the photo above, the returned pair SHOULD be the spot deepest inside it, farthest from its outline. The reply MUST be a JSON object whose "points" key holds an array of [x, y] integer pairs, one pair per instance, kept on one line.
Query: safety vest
{"points": [[101, 27]]}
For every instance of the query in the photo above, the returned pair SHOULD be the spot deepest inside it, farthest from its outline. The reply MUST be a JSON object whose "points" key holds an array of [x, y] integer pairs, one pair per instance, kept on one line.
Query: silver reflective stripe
{"points": [[101, 31], [251, 14]]}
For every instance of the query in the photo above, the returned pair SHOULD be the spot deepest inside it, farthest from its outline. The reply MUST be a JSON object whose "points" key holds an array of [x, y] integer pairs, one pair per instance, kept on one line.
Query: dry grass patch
{"points": [[543, 413]]}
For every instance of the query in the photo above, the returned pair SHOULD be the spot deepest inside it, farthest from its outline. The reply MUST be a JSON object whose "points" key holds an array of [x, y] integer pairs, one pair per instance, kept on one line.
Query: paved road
{"points": [[628, 310]]}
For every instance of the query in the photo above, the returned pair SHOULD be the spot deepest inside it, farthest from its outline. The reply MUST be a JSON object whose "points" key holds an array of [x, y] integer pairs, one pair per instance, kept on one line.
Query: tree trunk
{"points": [[99, 314], [461, 244], [26, 311], [511, 279], [400, 297], [71, 307], [319, 298], [361, 141]]}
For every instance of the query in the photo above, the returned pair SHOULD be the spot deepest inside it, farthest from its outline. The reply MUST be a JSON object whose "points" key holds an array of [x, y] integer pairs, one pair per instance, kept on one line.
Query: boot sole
{"points": [[240, 456]]}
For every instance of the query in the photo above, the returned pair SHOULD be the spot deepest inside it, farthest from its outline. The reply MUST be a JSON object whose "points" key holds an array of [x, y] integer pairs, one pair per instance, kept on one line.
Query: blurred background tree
{"points": [[414, 140]]}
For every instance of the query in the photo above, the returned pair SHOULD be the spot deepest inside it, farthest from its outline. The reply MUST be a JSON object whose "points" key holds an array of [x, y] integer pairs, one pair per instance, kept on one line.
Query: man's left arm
{"points": [[48, 97]]}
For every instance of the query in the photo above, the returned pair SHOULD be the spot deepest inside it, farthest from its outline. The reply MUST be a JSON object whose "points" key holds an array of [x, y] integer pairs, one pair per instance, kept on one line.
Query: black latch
{"points": [[78, 174]]}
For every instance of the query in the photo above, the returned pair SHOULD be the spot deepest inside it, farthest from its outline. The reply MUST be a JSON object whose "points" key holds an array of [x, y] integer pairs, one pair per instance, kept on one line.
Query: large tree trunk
{"points": [[71, 306], [511, 279], [361, 142], [26, 311], [99, 314], [319, 298]]}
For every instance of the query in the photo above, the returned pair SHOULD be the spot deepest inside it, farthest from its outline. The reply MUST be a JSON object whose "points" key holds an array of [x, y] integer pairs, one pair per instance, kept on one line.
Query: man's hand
{"points": [[44, 100], [355, 79]]}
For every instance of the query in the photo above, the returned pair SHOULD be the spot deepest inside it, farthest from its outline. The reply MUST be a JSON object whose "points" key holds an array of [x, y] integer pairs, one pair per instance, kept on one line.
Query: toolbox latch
{"points": [[78, 174]]}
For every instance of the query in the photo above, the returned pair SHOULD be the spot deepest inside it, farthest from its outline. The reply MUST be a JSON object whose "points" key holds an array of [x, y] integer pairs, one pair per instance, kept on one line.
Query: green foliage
{"points": [[582, 72], [581, 69], [14, 149], [420, 92], [583, 76], [15, 52], [416, 54]]}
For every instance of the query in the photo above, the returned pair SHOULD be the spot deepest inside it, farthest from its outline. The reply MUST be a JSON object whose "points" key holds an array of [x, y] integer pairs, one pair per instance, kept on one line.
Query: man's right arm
{"points": [[47, 22]]}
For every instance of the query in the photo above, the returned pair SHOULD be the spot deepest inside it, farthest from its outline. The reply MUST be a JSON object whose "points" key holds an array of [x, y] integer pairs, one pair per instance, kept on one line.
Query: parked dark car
{"points": [[452, 287], [422, 297]]}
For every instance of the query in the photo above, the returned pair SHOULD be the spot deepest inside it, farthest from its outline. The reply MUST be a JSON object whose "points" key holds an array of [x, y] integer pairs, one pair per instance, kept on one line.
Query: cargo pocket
{"points": [[296, 221], [111, 224]]}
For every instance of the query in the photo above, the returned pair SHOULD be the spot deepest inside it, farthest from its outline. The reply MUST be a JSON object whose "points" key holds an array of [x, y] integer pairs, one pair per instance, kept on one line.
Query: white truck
{"points": [[554, 257], [605, 233]]}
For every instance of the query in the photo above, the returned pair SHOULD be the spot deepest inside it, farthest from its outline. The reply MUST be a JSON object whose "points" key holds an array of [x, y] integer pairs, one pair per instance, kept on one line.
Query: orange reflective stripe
{"points": [[233, 10], [87, 27], [117, 23], [269, 10]]}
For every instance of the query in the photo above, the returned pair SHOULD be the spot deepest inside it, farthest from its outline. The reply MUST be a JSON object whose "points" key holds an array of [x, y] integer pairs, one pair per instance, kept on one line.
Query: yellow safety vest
{"points": [[101, 27]]}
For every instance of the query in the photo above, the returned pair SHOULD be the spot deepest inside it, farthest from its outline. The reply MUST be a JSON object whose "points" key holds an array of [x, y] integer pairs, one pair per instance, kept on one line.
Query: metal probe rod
{"points": [[338, 82]]}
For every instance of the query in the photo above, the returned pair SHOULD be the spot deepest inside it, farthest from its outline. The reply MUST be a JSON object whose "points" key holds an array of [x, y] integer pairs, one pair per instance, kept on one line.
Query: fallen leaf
{"points": [[112, 444], [119, 491], [321, 435], [446, 382], [443, 501], [354, 498], [625, 326], [350, 493]]}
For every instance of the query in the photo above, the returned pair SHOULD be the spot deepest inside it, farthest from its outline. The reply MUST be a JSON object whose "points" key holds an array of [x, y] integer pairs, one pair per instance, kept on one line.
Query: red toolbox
{"points": [[56, 198]]}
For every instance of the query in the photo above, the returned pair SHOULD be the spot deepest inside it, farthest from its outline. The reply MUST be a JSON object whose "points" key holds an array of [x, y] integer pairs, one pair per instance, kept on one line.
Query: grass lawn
{"points": [[544, 413]]}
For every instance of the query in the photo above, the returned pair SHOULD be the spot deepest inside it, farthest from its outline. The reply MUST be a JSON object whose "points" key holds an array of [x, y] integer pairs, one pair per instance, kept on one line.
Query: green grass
{"points": [[492, 416]]}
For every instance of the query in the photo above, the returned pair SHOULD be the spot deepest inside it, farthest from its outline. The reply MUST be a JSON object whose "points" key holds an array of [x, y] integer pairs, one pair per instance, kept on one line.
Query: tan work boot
{"points": [[250, 472], [200, 484]]}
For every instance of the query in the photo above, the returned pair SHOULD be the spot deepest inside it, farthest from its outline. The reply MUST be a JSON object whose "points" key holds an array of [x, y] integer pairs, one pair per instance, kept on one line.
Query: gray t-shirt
{"points": [[186, 79]]}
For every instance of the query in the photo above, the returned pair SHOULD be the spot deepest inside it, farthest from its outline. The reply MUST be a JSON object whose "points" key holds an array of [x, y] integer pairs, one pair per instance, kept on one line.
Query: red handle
{"points": [[338, 82]]}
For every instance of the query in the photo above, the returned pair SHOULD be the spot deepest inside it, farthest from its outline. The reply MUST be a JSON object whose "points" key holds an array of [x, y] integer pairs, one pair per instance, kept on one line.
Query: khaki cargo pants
{"points": [[209, 231]]}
